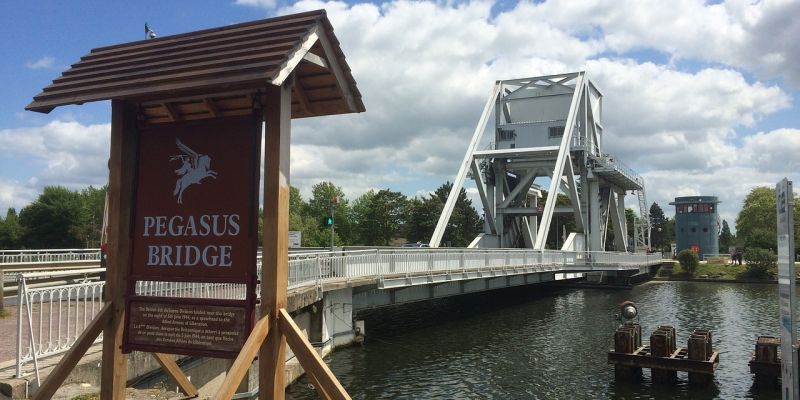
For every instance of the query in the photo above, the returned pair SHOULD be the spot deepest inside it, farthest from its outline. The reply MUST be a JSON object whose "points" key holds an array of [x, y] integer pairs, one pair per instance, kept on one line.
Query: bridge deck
{"points": [[310, 274]]}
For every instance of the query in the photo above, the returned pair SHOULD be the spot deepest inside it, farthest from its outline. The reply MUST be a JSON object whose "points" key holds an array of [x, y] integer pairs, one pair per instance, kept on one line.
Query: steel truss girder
{"points": [[510, 218]]}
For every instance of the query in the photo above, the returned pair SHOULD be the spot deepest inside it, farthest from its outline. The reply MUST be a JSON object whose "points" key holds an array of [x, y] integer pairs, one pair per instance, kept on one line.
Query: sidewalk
{"points": [[8, 333]]}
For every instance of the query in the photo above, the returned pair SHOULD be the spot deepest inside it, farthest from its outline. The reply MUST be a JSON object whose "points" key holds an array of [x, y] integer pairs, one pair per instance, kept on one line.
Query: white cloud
{"points": [[66, 153], [776, 151], [268, 4], [45, 62], [730, 185], [15, 194], [425, 70], [757, 35], [656, 117]]}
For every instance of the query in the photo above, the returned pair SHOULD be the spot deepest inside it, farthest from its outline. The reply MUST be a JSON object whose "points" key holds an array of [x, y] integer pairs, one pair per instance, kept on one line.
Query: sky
{"points": [[701, 98]]}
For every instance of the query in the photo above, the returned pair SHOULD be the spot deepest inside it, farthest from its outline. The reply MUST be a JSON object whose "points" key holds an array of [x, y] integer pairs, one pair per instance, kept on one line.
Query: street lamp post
{"points": [[332, 208]]}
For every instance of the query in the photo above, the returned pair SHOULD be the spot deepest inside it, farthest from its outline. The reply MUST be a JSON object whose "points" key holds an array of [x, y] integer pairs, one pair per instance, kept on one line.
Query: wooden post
{"points": [[627, 339], [2, 291], [174, 371], [707, 334], [661, 345], [765, 363], [699, 348], [121, 166], [272, 356], [311, 362], [242, 363]]}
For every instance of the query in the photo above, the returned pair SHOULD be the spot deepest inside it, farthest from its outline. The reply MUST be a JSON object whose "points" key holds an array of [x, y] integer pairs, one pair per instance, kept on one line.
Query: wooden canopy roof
{"points": [[215, 72]]}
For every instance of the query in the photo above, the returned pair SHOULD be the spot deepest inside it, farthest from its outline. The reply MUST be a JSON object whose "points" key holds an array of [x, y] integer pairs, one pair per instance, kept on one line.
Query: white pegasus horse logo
{"points": [[195, 168]]}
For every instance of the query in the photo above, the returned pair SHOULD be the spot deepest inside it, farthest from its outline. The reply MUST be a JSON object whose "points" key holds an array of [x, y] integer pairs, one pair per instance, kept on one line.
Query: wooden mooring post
{"points": [[662, 344], [662, 355], [766, 363], [627, 339], [699, 348]]}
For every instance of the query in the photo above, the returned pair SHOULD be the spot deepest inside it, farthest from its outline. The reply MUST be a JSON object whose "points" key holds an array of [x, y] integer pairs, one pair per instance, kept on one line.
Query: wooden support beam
{"points": [[311, 362], [212, 108], [272, 356], [122, 165], [174, 371], [318, 388], [75, 353], [341, 79], [305, 104], [315, 59], [242, 363], [173, 113]]}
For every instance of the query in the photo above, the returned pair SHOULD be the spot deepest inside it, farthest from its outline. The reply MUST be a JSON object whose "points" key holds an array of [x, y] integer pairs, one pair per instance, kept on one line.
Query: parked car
{"points": [[417, 244]]}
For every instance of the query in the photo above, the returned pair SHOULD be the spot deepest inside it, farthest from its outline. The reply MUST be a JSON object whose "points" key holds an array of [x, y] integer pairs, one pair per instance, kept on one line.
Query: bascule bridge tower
{"points": [[548, 134]]}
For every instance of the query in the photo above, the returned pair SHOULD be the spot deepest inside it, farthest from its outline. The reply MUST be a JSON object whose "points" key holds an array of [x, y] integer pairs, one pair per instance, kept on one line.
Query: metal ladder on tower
{"points": [[642, 225]]}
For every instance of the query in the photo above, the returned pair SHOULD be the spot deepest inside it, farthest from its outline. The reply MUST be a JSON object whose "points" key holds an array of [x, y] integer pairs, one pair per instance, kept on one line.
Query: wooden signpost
{"points": [[186, 124], [195, 220]]}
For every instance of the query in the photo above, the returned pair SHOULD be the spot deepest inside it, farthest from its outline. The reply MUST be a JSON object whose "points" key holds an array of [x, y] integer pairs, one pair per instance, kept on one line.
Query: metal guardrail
{"points": [[54, 317], [49, 255], [613, 163], [50, 319]]}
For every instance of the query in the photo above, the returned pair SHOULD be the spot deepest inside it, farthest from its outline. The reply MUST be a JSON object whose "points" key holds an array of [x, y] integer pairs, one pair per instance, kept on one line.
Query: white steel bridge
{"points": [[51, 317]]}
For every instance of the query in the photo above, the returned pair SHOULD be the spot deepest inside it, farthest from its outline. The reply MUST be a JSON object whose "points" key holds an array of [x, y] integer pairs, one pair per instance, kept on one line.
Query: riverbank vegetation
{"points": [[711, 271], [63, 218], [759, 264]]}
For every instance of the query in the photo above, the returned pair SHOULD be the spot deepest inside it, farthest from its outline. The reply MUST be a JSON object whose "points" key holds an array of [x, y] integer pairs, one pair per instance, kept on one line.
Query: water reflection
{"points": [[536, 343]]}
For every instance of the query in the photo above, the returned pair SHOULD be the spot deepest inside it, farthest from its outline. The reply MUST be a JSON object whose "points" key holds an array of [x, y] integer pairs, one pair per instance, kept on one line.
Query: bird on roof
{"points": [[149, 33]]}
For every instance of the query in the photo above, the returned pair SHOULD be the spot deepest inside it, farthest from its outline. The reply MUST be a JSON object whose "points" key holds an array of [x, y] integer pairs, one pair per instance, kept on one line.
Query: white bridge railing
{"points": [[50, 319], [51, 255]]}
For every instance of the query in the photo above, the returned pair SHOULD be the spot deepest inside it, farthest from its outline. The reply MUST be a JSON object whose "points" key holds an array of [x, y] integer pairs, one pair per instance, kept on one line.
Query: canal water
{"points": [[545, 343]]}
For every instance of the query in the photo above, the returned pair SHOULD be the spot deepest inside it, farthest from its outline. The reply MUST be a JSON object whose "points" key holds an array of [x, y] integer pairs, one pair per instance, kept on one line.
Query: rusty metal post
{"points": [[662, 343], [765, 363], [699, 348], [627, 339]]}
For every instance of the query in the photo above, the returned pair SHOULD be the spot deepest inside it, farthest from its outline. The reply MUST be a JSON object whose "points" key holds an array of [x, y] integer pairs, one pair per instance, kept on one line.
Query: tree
{"points": [[726, 238], [94, 201], [658, 228], [319, 207], [630, 221], [57, 219], [10, 230], [689, 261], [378, 216], [423, 215], [761, 263], [669, 238], [464, 224], [756, 224]]}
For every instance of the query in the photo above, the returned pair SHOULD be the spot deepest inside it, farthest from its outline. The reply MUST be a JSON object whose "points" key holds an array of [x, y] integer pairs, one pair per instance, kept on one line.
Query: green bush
{"points": [[761, 263], [688, 261]]}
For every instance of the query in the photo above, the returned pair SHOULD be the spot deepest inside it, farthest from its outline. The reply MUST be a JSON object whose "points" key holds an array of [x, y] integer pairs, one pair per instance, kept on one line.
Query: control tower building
{"points": [[697, 224]]}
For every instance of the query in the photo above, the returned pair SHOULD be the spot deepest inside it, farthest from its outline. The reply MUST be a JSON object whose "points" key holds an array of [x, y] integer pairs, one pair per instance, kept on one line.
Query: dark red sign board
{"points": [[194, 220], [198, 329]]}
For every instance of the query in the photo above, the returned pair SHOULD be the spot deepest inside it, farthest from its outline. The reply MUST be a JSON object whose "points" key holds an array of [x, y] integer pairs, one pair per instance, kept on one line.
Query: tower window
{"points": [[555, 132], [503, 134]]}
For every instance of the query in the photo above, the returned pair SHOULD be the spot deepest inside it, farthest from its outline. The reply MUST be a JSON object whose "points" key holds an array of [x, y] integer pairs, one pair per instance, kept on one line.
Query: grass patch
{"points": [[88, 396], [714, 271], [4, 313]]}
